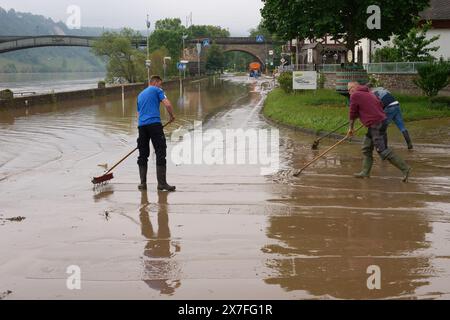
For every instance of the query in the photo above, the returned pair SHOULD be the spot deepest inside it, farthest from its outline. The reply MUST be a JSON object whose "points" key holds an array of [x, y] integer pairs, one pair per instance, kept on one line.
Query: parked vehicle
{"points": [[255, 70]]}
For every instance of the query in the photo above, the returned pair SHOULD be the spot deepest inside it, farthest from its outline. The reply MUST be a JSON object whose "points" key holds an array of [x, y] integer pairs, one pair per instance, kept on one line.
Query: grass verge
{"points": [[325, 110]]}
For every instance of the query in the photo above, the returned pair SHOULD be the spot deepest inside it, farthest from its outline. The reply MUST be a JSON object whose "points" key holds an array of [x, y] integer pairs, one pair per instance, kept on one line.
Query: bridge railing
{"points": [[43, 41]]}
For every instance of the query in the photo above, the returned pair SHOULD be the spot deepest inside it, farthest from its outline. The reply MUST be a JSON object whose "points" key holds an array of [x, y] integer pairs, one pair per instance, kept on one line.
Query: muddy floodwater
{"points": [[229, 232]]}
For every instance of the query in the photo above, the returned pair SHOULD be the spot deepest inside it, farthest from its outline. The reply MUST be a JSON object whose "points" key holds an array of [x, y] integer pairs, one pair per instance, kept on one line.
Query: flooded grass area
{"points": [[228, 232]]}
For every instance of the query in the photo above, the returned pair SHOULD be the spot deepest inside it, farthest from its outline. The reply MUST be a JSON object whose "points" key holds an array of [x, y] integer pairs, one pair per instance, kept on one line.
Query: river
{"points": [[49, 82], [229, 232]]}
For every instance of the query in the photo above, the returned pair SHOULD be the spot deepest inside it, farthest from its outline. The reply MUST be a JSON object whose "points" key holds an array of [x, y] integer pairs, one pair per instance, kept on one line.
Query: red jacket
{"points": [[367, 107]]}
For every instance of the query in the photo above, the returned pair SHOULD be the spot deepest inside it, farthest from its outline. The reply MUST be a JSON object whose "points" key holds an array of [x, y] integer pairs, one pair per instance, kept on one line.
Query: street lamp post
{"points": [[148, 62], [165, 66], [184, 37]]}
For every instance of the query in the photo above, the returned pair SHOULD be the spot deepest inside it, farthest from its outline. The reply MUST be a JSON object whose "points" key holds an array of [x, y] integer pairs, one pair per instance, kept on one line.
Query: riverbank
{"points": [[49, 98], [325, 110]]}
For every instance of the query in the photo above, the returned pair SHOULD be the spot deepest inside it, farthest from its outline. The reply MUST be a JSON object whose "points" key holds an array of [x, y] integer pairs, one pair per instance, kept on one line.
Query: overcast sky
{"points": [[237, 15]]}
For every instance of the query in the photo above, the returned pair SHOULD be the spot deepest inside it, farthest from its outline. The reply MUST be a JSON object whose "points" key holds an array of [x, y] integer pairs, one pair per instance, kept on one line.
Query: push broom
{"points": [[323, 154], [316, 144], [108, 176]]}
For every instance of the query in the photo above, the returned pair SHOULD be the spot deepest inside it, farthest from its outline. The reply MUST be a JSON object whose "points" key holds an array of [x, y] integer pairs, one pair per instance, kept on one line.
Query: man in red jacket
{"points": [[368, 108]]}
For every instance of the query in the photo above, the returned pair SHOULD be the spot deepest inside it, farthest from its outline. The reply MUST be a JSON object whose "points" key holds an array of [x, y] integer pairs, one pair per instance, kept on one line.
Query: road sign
{"points": [[304, 80], [199, 48], [260, 38], [271, 52], [148, 63], [206, 43], [181, 66]]}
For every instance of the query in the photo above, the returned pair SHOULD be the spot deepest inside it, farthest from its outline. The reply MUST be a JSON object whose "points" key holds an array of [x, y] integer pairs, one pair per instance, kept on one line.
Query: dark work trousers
{"points": [[155, 133], [377, 139]]}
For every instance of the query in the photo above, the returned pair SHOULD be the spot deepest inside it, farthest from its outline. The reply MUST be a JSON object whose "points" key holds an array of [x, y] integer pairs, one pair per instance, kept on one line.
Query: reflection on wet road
{"points": [[228, 232]]}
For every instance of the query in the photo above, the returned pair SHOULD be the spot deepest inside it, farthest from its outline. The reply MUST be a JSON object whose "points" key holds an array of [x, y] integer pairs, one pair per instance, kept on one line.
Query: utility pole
{"points": [[199, 52], [148, 62]]}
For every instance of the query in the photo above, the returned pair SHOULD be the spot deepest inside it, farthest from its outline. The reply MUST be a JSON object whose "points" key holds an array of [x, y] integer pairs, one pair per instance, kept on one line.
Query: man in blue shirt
{"points": [[151, 129]]}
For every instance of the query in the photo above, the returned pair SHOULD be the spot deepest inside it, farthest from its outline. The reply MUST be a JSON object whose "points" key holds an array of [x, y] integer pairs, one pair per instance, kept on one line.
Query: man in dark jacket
{"points": [[394, 113], [368, 108]]}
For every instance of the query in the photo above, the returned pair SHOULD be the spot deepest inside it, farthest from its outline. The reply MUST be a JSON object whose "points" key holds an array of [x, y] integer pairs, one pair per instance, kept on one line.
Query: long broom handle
{"points": [[123, 159], [129, 155], [325, 153], [332, 132]]}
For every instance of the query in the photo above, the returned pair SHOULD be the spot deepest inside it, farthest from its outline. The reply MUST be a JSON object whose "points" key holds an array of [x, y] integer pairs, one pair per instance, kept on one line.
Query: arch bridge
{"points": [[14, 43]]}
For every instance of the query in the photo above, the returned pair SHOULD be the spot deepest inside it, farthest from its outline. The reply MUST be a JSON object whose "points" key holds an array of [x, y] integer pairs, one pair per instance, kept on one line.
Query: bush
{"points": [[441, 100], [374, 82], [101, 84], [322, 80], [6, 94], [433, 77], [285, 81]]}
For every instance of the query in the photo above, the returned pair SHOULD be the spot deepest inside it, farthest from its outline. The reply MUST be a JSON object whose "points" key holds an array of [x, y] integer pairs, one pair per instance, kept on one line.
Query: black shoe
{"points": [[161, 172], [143, 175]]}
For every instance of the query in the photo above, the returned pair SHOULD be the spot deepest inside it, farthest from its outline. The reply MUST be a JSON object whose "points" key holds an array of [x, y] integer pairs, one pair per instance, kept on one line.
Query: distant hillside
{"points": [[70, 59]]}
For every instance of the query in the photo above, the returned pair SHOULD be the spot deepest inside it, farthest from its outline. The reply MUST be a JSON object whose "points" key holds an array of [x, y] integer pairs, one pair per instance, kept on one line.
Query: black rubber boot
{"points": [[408, 140], [143, 175], [161, 172], [367, 168]]}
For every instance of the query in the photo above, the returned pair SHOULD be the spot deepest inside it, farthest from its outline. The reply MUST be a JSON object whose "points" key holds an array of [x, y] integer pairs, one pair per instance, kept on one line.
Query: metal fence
{"points": [[393, 67], [387, 67]]}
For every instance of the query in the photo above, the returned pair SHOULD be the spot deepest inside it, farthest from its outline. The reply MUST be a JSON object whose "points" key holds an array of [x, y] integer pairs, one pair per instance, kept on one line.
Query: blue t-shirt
{"points": [[148, 105]]}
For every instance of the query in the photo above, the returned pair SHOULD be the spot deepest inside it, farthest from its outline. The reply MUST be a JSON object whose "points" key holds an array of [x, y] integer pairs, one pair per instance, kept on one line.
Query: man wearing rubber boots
{"points": [[393, 112], [368, 108], [151, 129]]}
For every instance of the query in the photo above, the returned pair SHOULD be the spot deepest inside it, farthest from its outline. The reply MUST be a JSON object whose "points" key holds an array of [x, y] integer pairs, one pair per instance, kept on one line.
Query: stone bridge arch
{"points": [[259, 50], [256, 54]]}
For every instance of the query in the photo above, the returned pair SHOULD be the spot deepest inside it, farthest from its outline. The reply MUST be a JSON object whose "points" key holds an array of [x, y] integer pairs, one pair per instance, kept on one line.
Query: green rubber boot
{"points": [[399, 163], [367, 168], [367, 151]]}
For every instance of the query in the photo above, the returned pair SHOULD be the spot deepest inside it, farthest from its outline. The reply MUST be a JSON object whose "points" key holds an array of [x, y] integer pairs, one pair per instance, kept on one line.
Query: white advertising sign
{"points": [[304, 80]]}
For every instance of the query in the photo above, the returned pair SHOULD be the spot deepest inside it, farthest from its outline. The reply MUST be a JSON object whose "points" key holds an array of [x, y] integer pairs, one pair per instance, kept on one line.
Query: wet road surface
{"points": [[229, 232]]}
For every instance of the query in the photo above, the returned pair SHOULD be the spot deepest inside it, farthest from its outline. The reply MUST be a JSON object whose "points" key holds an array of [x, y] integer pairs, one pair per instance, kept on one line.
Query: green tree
{"points": [[206, 31], [261, 30], [124, 62], [415, 46], [387, 54], [215, 60], [157, 58], [344, 19], [172, 24]]}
